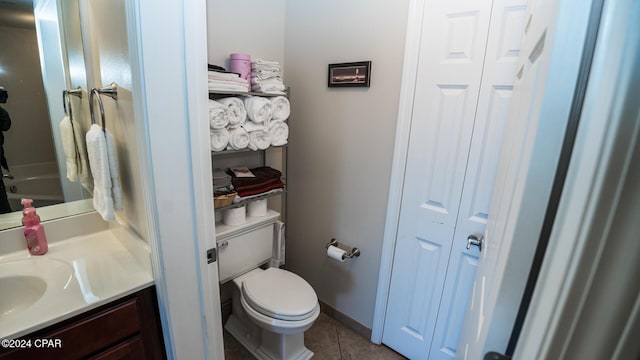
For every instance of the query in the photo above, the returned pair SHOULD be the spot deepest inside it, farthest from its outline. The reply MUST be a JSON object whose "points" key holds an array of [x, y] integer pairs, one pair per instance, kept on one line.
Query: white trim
{"points": [[195, 29], [146, 173], [171, 106], [593, 231], [403, 129]]}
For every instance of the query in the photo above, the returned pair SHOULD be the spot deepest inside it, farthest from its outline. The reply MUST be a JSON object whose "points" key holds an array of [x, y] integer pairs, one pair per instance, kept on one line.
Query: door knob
{"points": [[475, 239]]}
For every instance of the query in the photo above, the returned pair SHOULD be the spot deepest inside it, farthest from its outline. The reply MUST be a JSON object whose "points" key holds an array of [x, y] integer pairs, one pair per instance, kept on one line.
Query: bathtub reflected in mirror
{"points": [[42, 55]]}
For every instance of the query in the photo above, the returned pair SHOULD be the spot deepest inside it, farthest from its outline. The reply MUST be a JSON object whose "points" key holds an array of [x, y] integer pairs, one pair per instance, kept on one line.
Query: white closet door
{"points": [[452, 46], [503, 48]]}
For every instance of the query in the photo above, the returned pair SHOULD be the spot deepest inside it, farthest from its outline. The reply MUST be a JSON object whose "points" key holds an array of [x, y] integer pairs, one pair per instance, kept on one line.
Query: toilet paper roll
{"points": [[336, 253], [234, 217], [257, 208]]}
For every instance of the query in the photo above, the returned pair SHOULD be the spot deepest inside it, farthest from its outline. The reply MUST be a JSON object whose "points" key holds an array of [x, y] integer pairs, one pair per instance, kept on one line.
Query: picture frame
{"points": [[351, 74]]}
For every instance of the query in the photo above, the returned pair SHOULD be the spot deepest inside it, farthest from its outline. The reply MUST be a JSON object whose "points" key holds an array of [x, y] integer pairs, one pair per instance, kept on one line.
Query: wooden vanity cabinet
{"points": [[128, 328]]}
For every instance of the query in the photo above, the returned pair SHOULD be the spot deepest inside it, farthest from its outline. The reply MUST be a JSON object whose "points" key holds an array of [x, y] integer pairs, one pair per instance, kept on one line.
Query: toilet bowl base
{"points": [[267, 345]]}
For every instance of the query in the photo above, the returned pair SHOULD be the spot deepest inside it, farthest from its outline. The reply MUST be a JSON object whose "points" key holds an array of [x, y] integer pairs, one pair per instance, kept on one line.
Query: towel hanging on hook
{"points": [[103, 159]]}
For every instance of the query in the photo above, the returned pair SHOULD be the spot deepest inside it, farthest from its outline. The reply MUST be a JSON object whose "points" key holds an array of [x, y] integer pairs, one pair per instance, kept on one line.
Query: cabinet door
{"points": [[130, 350]]}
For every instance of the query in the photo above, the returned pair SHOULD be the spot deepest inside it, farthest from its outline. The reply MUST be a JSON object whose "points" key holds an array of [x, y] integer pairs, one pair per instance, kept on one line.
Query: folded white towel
{"points": [[219, 139], [281, 108], [251, 126], [268, 81], [238, 139], [114, 171], [279, 133], [259, 140], [258, 109], [269, 89], [99, 163], [215, 85], [214, 75], [266, 74], [264, 62], [71, 154], [236, 111], [218, 115]]}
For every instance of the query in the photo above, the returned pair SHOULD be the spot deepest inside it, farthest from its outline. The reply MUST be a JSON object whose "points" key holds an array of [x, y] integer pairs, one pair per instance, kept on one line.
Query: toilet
{"points": [[272, 307]]}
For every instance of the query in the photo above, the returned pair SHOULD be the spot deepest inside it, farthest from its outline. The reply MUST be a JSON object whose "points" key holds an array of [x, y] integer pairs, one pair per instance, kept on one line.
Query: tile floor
{"points": [[328, 339]]}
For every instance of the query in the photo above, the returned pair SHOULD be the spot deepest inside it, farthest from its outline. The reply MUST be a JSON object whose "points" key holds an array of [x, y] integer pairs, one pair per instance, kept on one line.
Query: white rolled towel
{"points": [[238, 138], [219, 139], [259, 140], [218, 115], [258, 109], [236, 111], [281, 108], [279, 133]]}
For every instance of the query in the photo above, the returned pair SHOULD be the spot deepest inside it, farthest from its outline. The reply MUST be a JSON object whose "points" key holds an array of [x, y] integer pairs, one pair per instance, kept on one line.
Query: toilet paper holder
{"points": [[355, 252]]}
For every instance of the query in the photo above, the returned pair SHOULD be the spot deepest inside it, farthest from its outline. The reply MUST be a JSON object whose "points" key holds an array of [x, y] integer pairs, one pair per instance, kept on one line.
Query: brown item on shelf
{"points": [[223, 200]]}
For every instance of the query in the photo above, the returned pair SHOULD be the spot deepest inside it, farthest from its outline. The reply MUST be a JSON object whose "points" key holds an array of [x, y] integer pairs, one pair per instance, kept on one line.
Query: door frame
{"points": [[401, 148], [176, 170], [594, 241]]}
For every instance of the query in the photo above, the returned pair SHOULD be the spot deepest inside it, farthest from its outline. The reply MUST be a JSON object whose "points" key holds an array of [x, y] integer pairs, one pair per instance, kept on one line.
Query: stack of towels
{"points": [[249, 122], [256, 182], [221, 182], [226, 81], [266, 77]]}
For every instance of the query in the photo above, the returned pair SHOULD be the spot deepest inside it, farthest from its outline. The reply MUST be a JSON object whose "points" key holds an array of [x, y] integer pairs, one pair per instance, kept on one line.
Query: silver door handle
{"points": [[222, 244], [475, 239]]}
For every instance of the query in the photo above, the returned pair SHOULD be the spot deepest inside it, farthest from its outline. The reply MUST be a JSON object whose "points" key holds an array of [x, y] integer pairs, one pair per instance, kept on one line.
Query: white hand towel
{"points": [[281, 108], [236, 111], [218, 115], [70, 149], [238, 139], [258, 109], [259, 140], [99, 163], [114, 172], [279, 133], [83, 164], [219, 139]]}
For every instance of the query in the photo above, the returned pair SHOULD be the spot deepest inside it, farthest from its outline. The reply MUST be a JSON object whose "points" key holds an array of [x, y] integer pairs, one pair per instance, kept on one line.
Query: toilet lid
{"points": [[280, 294]]}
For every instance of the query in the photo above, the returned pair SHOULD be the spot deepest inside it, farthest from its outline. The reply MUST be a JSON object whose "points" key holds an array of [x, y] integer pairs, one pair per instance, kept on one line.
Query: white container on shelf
{"points": [[257, 208], [235, 216]]}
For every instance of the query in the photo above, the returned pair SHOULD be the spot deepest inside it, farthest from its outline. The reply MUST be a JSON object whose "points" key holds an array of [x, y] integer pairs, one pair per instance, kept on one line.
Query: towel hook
{"points": [[110, 91], [66, 101]]}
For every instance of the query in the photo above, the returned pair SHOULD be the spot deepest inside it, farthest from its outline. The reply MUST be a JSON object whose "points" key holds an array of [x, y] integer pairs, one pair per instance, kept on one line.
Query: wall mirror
{"points": [[42, 55]]}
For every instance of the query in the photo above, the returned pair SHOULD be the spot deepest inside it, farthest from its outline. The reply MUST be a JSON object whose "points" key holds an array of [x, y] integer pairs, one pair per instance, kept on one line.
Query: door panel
{"points": [[445, 100], [489, 129]]}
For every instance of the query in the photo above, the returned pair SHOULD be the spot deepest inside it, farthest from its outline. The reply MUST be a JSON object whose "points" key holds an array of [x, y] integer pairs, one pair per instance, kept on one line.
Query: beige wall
{"points": [[253, 27], [107, 60], [341, 143], [21, 76]]}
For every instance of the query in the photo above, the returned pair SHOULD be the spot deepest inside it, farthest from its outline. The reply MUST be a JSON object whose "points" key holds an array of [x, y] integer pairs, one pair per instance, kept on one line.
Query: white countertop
{"points": [[83, 272]]}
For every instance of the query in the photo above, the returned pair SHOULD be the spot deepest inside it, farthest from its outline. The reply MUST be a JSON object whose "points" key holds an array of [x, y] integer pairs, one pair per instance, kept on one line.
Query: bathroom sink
{"points": [[19, 293], [25, 282]]}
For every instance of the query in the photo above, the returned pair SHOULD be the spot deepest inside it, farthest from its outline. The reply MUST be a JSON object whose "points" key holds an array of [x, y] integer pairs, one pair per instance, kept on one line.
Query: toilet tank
{"points": [[245, 247]]}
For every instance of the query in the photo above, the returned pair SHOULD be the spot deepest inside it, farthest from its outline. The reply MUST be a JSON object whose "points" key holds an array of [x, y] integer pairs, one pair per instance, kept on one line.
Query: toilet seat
{"points": [[280, 294]]}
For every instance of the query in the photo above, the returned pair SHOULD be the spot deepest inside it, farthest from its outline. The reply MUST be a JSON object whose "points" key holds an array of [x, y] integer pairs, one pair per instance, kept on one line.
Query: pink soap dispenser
{"points": [[26, 203], [34, 232]]}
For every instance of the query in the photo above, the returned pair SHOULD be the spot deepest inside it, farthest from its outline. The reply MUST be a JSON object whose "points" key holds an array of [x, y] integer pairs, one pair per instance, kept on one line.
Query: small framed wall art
{"points": [[353, 74]]}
